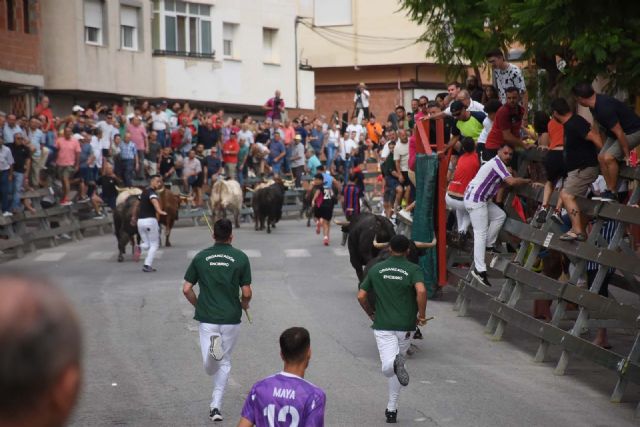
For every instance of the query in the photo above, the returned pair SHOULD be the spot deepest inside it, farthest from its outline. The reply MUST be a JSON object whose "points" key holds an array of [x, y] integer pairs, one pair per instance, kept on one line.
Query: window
{"points": [[269, 43], [93, 21], [228, 35], [129, 27], [11, 15], [187, 29]]}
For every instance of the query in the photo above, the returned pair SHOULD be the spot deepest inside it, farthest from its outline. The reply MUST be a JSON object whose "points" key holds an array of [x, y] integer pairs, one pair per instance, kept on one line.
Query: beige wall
{"points": [[71, 64], [370, 18]]}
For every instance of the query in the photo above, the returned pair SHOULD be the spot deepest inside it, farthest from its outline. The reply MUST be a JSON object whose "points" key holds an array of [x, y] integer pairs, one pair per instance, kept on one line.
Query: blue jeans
{"points": [[348, 165], [331, 153], [276, 167], [162, 138], [127, 171], [18, 180], [5, 189]]}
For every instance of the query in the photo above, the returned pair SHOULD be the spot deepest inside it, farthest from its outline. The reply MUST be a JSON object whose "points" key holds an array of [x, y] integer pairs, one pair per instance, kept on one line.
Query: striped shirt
{"points": [[607, 231], [351, 203], [487, 181]]}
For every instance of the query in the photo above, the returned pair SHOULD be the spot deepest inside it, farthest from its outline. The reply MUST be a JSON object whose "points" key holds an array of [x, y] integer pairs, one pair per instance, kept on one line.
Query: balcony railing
{"points": [[184, 54]]}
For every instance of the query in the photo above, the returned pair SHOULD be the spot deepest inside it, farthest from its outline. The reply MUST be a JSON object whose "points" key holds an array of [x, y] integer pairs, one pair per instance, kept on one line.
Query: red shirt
{"points": [[468, 165], [40, 110], [506, 119], [232, 146], [176, 139]]}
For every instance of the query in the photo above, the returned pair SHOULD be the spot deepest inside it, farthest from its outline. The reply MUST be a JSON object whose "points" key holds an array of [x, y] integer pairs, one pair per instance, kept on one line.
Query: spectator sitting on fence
{"points": [[68, 161], [465, 171], [622, 126], [582, 143]]}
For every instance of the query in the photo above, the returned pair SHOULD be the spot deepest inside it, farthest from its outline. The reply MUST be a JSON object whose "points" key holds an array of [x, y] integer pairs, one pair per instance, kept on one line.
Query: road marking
{"points": [[252, 253], [451, 381], [340, 252], [100, 256], [50, 256], [296, 253]]}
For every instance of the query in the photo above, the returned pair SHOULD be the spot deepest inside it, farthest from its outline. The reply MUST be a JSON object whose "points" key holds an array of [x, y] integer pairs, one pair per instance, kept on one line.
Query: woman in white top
{"points": [[333, 143]]}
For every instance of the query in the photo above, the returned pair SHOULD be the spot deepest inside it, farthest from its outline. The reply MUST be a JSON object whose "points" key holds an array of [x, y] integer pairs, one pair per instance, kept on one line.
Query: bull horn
{"points": [[341, 223], [250, 189], [379, 245], [121, 189], [425, 245]]}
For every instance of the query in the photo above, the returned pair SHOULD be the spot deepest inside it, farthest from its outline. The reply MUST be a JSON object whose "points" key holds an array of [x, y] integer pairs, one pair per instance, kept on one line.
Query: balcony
{"points": [[184, 54]]}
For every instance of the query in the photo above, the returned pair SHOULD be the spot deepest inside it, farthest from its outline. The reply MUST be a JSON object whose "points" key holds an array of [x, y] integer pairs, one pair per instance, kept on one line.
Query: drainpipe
{"points": [[296, 68]]}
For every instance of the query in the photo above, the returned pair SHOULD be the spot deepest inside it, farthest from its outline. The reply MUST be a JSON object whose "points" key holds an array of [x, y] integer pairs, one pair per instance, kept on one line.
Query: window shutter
{"points": [[129, 16], [93, 13]]}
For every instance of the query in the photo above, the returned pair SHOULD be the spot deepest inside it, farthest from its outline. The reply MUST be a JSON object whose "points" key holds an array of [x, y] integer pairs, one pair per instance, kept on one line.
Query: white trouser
{"points": [[462, 216], [390, 343], [149, 231], [484, 216], [219, 369]]}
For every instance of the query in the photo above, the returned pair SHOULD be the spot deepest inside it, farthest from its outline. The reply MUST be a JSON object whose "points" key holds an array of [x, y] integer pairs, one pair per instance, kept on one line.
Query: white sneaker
{"points": [[405, 215], [215, 349], [7, 213]]}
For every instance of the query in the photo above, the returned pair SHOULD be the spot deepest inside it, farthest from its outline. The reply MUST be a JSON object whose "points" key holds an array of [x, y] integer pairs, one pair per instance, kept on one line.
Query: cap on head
{"points": [[456, 107], [77, 109]]}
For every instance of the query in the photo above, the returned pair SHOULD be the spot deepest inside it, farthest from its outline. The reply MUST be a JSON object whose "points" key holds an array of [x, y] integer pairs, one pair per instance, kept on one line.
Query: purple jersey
{"points": [[285, 400], [487, 181]]}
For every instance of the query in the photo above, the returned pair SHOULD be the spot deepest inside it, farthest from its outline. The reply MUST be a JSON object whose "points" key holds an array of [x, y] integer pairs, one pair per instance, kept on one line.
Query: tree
{"points": [[593, 37]]}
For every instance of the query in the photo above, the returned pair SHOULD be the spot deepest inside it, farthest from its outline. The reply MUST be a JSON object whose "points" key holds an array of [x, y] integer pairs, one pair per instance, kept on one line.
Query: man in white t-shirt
{"points": [[356, 127], [160, 123], [464, 97], [361, 102], [350, 151], [391, 136], [109, 130], [401, 157], [506, 75]]}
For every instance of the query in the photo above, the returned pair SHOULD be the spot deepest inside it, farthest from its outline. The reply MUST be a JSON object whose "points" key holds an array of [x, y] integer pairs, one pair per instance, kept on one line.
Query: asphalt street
{"points": [[142, 363]]}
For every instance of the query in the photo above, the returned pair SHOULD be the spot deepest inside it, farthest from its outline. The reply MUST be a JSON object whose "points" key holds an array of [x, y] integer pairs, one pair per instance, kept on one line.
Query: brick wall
{"points": [[383, 101], [20, 51]]}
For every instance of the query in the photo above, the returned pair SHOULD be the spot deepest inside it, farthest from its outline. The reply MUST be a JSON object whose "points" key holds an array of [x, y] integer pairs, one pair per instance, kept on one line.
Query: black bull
{"points": [[123, 229], [267, 206]]}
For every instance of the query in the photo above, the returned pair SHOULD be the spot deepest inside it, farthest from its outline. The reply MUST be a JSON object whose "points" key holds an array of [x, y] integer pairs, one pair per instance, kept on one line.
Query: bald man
{"points": [[40, 351]]}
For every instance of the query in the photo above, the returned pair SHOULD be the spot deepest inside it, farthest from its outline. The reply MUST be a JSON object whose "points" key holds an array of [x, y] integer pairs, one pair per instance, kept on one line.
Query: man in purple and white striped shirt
{"points": [[486, 217]]}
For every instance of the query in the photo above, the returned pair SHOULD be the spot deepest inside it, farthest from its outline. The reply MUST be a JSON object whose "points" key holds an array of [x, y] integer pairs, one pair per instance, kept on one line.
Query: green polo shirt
{"points": [[393, 281], [472, 127], [220, 271]]}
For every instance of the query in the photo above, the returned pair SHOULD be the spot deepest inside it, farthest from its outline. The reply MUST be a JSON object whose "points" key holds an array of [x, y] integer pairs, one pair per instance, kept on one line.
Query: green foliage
{"points": [[594, 37]]}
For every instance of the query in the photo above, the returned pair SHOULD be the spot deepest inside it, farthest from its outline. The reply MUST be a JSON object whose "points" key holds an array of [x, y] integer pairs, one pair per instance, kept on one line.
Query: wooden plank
{"points": [[568, 342], [10, 243], [584, 251]]}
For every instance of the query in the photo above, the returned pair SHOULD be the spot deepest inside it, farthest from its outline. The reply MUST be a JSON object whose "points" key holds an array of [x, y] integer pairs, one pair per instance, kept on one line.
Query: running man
{"points": [[400, 305], [148, 228], [221, 271], [486, 217], [323, 199], [286, 399]]}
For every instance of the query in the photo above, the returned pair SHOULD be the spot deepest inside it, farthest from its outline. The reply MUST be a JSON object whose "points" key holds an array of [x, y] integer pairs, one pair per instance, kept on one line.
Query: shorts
{"points": [[554, 165], [612, 146], [195, 181], [325, 211], [407, 181], [66, 172], [390, 184], [579, 180]]}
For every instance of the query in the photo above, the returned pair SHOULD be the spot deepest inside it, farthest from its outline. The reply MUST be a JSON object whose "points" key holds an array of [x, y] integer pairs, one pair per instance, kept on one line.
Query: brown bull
{"points": [[170, 203]]}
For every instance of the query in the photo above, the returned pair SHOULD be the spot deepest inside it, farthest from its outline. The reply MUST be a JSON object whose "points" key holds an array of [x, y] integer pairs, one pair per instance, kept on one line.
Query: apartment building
{"points": [[370, 41], [216, 53], [21, 70]]}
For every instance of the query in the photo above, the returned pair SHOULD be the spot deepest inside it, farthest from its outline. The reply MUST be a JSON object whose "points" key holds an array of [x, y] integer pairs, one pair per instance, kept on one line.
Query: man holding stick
{"points": [[220, 271]]}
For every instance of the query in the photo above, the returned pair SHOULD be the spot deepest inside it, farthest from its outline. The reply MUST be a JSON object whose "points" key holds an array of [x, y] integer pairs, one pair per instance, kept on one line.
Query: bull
{"points": [[267, 204], [226, 195], [124, 229], [170, 203]]}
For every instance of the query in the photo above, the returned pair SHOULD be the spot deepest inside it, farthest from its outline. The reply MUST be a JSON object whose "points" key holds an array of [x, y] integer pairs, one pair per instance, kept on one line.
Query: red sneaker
{"points": [[325, 241]]}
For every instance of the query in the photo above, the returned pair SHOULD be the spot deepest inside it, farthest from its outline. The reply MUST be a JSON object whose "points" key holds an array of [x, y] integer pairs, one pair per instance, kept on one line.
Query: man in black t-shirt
{"points": [[622, 126], [166, 165], [21, 166], [108, 183], [581, 162], [148, 227]]}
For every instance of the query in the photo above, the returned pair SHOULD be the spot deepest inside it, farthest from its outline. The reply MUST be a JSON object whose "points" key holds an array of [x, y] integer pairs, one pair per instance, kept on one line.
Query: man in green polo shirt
{"points": [[221, 271], [400, 304]]}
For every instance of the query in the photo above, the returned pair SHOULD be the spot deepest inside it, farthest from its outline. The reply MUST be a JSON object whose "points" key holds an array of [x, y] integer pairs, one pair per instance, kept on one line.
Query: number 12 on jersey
{"points": [[270, 413]]}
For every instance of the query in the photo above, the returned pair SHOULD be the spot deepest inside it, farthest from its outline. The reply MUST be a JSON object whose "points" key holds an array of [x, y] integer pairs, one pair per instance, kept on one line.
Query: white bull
{"points": [[226, 196]]}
